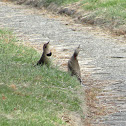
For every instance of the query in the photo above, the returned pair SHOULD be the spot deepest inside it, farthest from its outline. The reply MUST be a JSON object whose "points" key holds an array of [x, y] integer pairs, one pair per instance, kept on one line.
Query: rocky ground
{"points": [[102, 58]]}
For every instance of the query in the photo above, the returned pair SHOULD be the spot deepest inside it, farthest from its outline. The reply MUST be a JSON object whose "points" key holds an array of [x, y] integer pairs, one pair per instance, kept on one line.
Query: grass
{"points": [[108, 9], [32, 95], [96, 4], [60, 2]]}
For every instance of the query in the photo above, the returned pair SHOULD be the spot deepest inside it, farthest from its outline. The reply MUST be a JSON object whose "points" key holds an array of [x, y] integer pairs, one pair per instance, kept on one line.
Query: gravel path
{"points": [[101, 57]]}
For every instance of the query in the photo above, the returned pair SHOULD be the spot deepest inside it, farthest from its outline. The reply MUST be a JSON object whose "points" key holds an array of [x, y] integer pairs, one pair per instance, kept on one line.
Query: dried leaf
{"points": [[13, 86], [3, 97]]}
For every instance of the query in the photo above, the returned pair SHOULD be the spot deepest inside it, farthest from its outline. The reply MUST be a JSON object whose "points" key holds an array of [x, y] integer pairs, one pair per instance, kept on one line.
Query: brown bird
{"points": [[73, 65], [46, 53]]}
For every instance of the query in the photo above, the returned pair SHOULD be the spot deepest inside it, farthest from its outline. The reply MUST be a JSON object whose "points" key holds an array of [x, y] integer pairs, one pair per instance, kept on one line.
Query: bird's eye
{"points": [[45, 46]]}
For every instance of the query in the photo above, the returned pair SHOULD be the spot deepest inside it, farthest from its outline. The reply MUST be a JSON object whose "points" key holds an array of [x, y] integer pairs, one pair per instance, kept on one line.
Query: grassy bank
{"points": [[110, 14], [32, 95], [109, 10]]}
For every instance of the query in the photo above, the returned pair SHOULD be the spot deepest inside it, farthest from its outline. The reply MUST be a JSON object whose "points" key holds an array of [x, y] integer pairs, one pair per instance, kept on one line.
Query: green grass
{"points": [[32, 96], [108, 10], [60, 2], [96, 4]]}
